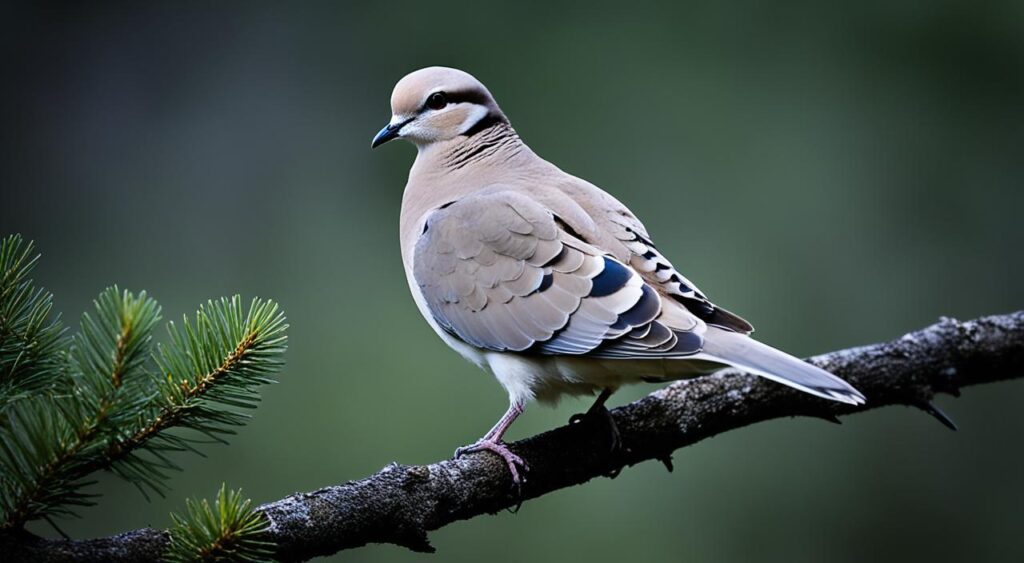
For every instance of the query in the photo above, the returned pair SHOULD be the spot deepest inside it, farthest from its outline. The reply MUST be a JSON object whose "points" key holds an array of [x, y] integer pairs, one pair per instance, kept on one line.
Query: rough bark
{"points": [[401, 503]]}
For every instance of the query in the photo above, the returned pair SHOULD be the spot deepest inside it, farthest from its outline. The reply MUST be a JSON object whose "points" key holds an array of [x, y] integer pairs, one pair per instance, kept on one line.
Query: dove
{"points": [[543, 279]]}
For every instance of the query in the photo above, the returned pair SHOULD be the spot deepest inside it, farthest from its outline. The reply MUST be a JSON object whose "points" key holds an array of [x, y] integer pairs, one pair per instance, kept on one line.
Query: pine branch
{"points": [[104, 400], [216, 362], [51, 439], [119, 401], [400, 504]]}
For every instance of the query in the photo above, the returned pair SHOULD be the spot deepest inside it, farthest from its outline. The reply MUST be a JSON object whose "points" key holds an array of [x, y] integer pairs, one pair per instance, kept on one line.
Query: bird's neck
{"points": [[486, 145], [446, 171]]}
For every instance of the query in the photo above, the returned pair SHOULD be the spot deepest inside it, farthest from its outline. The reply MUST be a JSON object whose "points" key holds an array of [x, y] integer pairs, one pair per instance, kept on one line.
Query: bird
{"points": [[543, 279]]}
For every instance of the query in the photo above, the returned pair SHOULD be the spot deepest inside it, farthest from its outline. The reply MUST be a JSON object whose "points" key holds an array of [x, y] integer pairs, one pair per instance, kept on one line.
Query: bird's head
{"points": [[437, 104]]}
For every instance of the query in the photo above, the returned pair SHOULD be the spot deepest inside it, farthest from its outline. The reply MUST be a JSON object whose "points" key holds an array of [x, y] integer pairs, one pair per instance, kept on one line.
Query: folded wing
{"points": [[498, 270]]}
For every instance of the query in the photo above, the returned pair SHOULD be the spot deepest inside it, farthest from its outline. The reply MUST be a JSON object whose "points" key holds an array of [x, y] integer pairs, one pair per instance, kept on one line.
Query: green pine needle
{"points": [[229, 531], [211, 368], [31, 337], [107, 398], [51, 439]]}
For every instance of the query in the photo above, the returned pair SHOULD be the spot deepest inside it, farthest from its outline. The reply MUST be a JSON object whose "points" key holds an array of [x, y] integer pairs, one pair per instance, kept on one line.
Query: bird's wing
{"points": [[501, 272], [658, 271]]}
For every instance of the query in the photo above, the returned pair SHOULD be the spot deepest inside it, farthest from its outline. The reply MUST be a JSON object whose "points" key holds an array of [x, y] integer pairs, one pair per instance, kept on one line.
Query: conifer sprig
{"points": [[228, 531], [51, 440], [31, 337], [107, 398], [210, 368]]}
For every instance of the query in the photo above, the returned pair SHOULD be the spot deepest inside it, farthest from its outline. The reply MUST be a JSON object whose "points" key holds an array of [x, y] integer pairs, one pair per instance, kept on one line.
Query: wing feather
{"points": [[658, 271], [499, 271]]}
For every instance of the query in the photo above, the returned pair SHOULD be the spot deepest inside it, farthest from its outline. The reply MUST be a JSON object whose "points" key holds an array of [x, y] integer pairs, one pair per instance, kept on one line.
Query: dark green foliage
{"points": [[30, 337], [228, 531], [108, 399], [211, 367]]}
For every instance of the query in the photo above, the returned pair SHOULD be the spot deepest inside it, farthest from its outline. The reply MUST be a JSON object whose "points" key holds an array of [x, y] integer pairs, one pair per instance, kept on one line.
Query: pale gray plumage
{"points": [[543, 278]]}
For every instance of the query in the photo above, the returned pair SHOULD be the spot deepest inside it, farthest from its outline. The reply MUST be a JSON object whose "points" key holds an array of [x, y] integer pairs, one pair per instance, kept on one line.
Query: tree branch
{"points": [[400, 504]]}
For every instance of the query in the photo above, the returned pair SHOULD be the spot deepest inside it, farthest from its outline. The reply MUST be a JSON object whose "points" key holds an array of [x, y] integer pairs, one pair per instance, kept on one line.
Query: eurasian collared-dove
{"points": [[544, 279]]}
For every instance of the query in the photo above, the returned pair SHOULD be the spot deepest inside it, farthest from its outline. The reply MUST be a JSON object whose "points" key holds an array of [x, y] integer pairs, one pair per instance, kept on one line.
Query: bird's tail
{"points": [[743, 352]]}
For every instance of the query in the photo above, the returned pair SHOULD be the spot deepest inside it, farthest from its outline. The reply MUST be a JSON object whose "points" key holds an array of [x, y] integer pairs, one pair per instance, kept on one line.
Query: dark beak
{"points": [[390, 131]]}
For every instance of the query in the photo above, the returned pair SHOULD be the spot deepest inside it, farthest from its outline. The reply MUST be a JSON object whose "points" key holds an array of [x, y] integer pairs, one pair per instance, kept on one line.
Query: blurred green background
{"points": [[838, 173]]}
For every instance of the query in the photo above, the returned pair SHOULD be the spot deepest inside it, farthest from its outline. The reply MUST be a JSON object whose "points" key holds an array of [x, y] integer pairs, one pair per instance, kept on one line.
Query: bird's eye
{"points": [[437, 100]]}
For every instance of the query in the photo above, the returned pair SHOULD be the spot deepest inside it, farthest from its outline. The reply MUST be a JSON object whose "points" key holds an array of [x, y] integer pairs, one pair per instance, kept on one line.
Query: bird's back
{"points": [[500, 160], [435, 181]]}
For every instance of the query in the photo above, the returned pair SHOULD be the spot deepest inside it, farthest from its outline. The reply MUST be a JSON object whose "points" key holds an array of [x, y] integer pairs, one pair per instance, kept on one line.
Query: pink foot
{"points": [[513, 461]]}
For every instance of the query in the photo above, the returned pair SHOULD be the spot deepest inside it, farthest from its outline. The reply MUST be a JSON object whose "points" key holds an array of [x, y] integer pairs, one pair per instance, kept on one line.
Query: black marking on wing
{"points": [[682, 285], [660, 272], [658, 342], [703, 309], [729, 321], [688, 343], [583, 333], [610, 280], [645, 310], [641, 238], [713, 314], [545, 282]]}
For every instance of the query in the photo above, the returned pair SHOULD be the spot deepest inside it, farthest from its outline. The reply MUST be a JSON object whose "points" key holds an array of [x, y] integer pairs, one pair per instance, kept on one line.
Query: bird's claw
{"points": [[514, 462]]}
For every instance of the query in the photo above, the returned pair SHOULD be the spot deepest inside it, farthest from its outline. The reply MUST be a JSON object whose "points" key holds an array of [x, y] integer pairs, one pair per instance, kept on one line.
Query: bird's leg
{"points": [[492, 442], [598, 406], [598, 412]]}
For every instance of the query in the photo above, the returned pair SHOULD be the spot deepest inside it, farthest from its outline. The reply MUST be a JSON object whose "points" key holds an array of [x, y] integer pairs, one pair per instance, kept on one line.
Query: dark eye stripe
{"points": [[471, 96]]}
